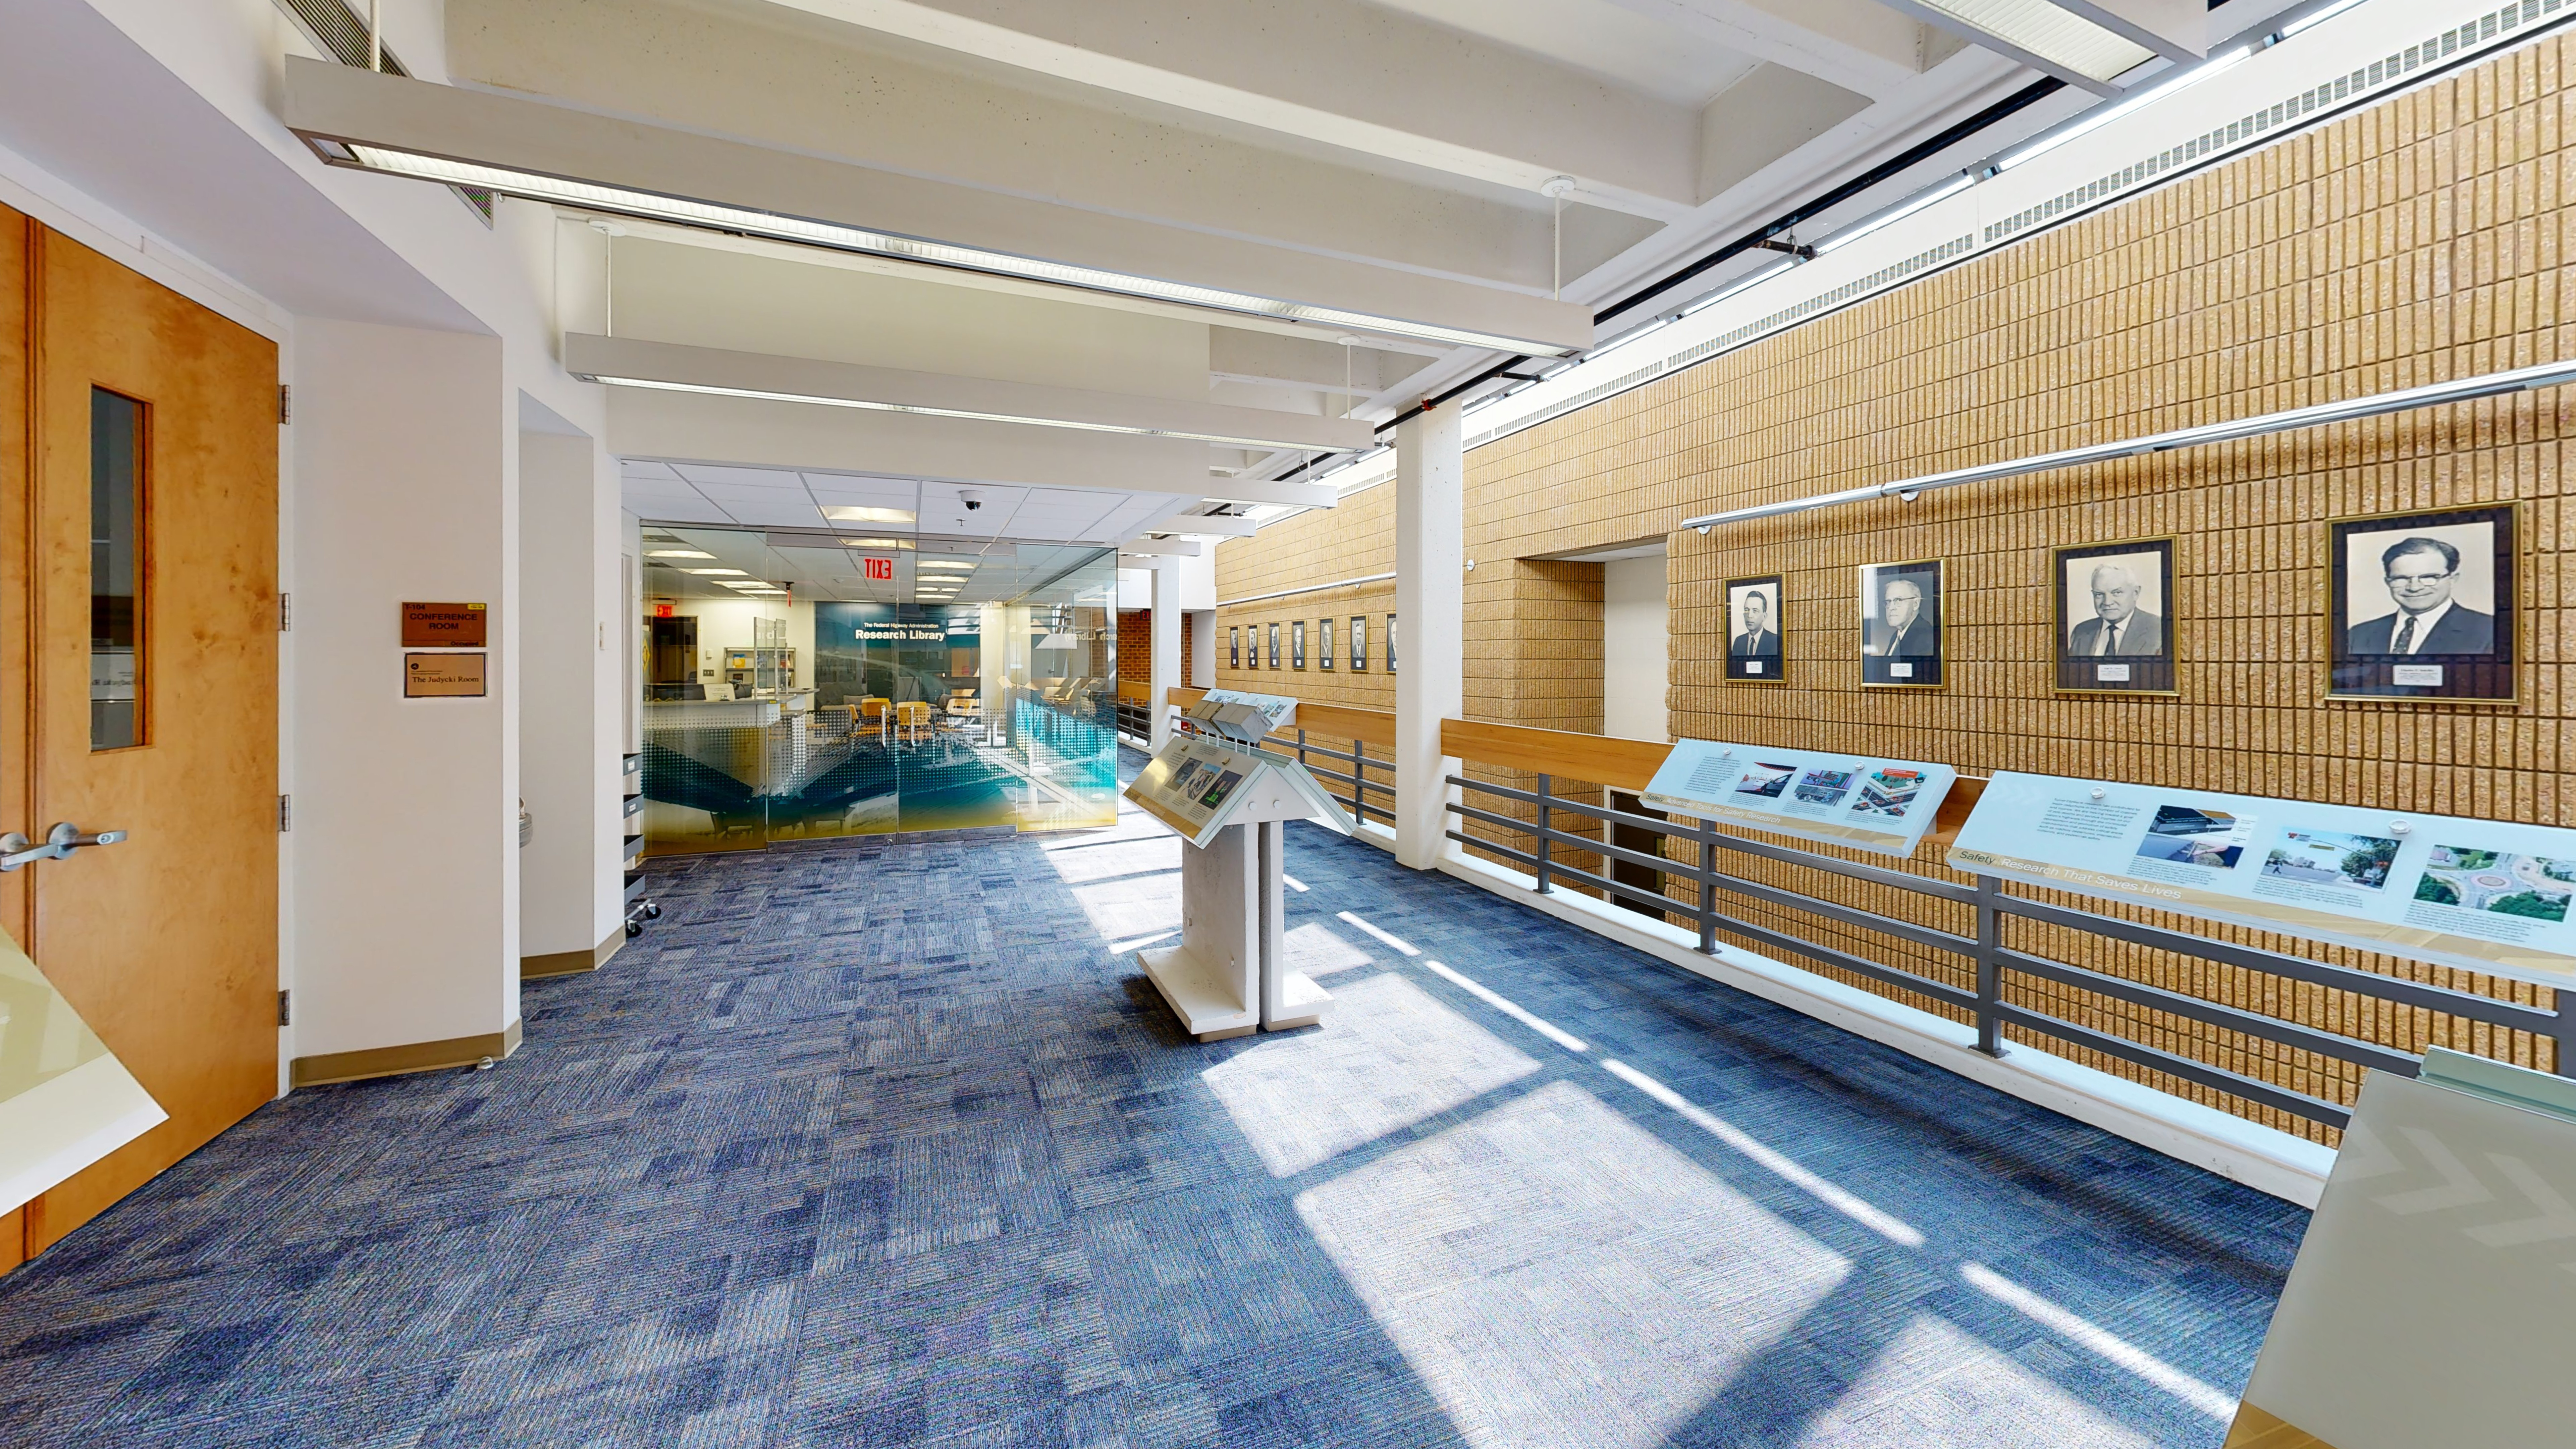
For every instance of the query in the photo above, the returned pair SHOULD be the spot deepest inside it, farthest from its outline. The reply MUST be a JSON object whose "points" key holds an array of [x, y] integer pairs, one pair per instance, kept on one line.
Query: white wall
{"points": [[570, 713], [726, 624], [1635, 649], [406, 461]]}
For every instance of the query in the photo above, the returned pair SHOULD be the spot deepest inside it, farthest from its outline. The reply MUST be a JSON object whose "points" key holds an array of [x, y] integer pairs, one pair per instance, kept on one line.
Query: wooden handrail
{"points": [[1334, 721]]}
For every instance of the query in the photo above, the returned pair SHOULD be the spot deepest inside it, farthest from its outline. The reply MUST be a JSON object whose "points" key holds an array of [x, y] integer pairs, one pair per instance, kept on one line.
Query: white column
{"points": [[1430, 607], [1165, 673], [571, 715]]}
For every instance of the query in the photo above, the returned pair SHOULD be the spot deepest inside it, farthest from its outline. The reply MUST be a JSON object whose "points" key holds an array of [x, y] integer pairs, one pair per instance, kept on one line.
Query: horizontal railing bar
{"points": [[2214, 1013], [1558, 871], [2510, 1014], [1777, 940], [2315, 1109], [1663, 863]]}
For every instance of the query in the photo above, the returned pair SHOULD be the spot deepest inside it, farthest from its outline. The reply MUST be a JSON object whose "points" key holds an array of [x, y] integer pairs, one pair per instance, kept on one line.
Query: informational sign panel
{"points": [[1198, 786], [442, 676], [1881, 805], [444, 626], [2478, 894], [1279, 709]]}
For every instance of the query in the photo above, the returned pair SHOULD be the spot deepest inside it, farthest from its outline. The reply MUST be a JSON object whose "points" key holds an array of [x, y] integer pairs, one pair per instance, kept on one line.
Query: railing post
{"points": [[1707, 837], [1301, 748], [1990, 971], [1359, 782], [1543, 887]]}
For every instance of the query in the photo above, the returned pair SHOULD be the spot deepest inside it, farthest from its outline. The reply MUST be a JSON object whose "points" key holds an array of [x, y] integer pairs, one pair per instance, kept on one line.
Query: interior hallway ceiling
{"points": [[1574, 150]]}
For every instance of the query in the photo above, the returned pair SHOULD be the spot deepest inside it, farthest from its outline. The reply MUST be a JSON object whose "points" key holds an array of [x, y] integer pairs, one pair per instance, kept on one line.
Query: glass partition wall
{"points": [[801, 689]]}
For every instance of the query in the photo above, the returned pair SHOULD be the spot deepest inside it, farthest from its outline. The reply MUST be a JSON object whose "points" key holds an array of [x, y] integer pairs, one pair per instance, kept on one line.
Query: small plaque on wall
{"points": [[442, 676], [443, 626]]}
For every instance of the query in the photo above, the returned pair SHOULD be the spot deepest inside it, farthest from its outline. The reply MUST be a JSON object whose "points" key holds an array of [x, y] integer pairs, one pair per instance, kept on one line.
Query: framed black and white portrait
{"points": [[1234, 647], [1900, 624], [1390, 643], [1324, 643], [2115, 618], [1274, 646], [1753, 651], [1359, 643], [1297, 644], [2421, 605]]}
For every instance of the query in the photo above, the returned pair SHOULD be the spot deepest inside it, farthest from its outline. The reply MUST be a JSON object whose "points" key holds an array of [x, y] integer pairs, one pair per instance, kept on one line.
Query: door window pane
{"points": [[115, 570]]}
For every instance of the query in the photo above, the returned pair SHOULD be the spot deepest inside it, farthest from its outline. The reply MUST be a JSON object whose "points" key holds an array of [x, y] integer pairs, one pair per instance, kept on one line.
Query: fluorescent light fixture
{"points": [[1758, 275], [970, 415], [850, 514], [2101, 116], [746, 583], [872, 542], [2315, 16], [777, 227], [677, 553], [711, 573], [2060, 37], [1896, 213]]}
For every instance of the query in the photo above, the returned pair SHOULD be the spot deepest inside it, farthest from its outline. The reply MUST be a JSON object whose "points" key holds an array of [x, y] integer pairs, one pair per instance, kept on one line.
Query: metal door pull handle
{"points": [[17, 850]]}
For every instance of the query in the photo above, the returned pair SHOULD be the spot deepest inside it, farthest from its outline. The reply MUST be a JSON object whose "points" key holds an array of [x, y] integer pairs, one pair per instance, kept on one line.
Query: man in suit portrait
{"points": [[2420, 574], [1901, 631], [1759, 640], [2118, 625]]}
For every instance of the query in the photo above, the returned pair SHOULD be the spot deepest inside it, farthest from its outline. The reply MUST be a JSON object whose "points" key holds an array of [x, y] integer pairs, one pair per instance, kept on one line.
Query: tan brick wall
{"points": [[1352, 541], [2417, 240]]}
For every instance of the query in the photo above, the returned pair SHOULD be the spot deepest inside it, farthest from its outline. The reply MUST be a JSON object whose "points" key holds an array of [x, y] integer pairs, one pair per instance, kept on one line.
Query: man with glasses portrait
{"points": [[2420, 574]]}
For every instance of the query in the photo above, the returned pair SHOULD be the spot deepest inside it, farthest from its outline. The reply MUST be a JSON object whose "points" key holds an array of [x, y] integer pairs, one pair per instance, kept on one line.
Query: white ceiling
{"points": [[1620, 45], [999, 573], [776, 498]]}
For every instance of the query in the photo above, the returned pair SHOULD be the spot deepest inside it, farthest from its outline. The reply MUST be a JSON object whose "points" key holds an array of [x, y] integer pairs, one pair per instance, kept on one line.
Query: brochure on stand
{"points": [[2478, 894], [1881, 805], [1278, 709], [1199, 786]]}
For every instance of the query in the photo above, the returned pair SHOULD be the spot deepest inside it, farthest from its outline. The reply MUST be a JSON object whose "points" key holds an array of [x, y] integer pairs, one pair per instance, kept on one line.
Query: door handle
{"points": [[17, 850]]}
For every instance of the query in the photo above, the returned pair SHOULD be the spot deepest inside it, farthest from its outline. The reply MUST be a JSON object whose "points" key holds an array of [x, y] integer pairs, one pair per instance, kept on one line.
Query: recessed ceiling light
{"points": [[677, 553], [745, 584], [711, 573], [841, 513], [874, 543], [711, 215]]}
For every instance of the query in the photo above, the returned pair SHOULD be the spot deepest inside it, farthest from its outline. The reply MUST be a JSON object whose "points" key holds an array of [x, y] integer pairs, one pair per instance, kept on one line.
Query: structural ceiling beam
{"points": [[666, 366], [554, 153]]}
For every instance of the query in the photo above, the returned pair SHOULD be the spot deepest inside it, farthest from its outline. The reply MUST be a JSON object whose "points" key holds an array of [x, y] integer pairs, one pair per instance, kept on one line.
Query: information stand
{"points": [[1229, 975], [65, 1100], [2430, 1301]]}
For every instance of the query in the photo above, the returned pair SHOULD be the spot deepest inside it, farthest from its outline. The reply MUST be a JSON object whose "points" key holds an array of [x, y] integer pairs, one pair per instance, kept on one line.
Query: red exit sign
{"points": [[880, 570]]}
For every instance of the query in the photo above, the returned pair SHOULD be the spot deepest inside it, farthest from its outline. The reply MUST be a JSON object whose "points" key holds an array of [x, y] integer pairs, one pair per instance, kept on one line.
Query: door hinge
{"points": [[285, 613], [285, 403], [285, 813], [286, 1008]]}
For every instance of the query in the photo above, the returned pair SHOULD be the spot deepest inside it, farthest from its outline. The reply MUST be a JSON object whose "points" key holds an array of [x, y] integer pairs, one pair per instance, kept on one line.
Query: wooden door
{"points": [[141, 679]]}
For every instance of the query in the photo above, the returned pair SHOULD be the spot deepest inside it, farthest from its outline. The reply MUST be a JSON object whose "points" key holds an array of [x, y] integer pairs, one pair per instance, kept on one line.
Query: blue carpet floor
{"points": [[882, 1143]]}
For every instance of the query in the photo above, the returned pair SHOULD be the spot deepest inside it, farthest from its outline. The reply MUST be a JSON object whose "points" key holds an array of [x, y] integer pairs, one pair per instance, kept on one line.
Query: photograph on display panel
{"points": [[1324, 643], [2421, 605], [1297, 644], [1274, 646], [1359, 643], [1234, 647], [2115, 621], [1753, 650], [1900, 624]]}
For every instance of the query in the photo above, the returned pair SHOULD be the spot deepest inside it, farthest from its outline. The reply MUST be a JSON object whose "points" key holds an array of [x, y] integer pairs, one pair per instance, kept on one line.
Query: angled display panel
{"points": [[65, 1102], [1880, 805], [2483, 895]]}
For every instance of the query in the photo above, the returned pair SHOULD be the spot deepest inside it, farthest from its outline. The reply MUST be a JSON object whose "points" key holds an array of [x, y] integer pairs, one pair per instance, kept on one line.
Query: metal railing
{"points": [[1135, 719], [1357, 788], [1989, 1003]]}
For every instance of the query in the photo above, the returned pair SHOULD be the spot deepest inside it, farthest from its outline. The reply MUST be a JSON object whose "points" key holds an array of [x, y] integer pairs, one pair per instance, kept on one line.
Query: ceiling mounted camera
{"points": [[972, 501]]}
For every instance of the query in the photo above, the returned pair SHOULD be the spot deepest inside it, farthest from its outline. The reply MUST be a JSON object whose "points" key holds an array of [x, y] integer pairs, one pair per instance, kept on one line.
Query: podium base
{"points": [[1301, 1003], [1206, 1006]]}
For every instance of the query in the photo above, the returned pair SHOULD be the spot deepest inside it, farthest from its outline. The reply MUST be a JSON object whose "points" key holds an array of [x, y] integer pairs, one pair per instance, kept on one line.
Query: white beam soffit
{"points": [[671, 367], [1202, 525], [2467, 389], [1161, 547], [549, 153]]}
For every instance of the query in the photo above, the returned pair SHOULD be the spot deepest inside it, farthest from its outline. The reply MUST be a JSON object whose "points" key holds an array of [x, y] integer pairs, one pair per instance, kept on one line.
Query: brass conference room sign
{"points": [[443, 626], [442, 676]]}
